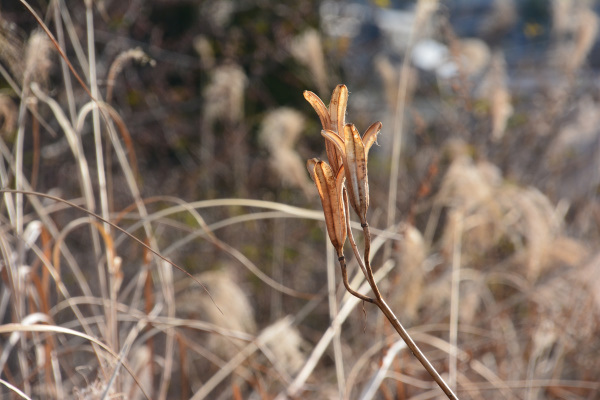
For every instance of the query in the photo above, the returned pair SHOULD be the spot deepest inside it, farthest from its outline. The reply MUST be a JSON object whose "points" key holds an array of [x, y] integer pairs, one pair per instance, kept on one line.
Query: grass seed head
{"points": [[225, 95], [287, 346], [279, 133], [38, 58], [308, 50], [8, 115]]}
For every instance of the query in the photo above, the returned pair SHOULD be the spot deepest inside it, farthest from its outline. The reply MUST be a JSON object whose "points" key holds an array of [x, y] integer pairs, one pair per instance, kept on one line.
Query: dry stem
{"points": [[380, 302]]}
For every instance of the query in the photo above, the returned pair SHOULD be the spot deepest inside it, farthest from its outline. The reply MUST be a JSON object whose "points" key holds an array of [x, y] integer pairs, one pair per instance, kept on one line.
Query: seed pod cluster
{"points": [[347, 153], [355, 152]]}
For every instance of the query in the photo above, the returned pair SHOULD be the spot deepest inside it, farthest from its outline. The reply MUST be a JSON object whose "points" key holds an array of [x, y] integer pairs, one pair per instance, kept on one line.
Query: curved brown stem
{"points": [[387, 311], [351, 236], [367, 233], [369, 270], [353, 292]]}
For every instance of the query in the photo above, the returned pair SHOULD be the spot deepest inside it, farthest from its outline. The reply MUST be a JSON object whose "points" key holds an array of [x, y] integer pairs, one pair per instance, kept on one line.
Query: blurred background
{"points": [[484, 198]]}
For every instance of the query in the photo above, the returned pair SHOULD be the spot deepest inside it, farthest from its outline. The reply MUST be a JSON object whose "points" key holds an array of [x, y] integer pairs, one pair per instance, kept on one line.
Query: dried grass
{"points": [[205, 51], [406, 292], [495, 212], [225, 95], [390, 79], [11, 49], [575, 26], [496, 270], [8, 115], [573, 152], [141, 365], [494, 89], [286, 347], [308, 50], [235, 312], [279, 133], [471, 56], [117, 66], [38, 58], [562, 21]]}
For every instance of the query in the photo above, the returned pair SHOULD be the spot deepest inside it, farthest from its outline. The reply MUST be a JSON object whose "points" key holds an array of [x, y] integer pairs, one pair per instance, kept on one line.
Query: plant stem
{"points": [[387, 311], [353, 292], [365, 267]]}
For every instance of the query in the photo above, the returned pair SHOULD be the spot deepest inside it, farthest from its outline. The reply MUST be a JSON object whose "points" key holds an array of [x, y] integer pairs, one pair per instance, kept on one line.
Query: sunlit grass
{"points": [[483, 210]]}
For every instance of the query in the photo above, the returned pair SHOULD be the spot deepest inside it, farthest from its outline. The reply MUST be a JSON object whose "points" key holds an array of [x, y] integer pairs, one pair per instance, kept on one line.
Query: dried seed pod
{"points": [[355, 151], [322, 111], [337, 108], [332, 118], [330, 188]]}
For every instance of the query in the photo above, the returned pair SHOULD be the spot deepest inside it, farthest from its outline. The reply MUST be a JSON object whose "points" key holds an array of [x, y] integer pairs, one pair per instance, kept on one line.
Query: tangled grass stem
{"points": [[140, 242]]}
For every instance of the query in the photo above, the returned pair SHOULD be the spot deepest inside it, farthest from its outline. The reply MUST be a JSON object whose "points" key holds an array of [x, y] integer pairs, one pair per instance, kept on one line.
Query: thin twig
{"points": [[380, 302], [353, 243], [353, 292], [333, 311], [387, 311], [118, 228], [455, 296]]}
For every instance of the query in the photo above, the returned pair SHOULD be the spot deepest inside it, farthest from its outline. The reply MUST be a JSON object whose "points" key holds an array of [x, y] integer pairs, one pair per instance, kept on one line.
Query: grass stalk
{"points": [[333, 311], [455, 296]]}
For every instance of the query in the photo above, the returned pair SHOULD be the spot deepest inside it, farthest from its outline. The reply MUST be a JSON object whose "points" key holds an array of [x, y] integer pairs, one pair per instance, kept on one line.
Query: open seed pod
{"points": [[355, 151], [330, 188]]}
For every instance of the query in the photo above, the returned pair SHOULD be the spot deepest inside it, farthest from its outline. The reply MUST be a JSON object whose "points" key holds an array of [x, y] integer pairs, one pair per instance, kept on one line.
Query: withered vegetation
{"points": [[161, 238]]}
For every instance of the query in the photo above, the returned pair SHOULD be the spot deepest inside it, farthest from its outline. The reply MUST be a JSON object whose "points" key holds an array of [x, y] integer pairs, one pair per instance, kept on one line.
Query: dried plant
{"points": [[205, 51], [235, 312], [562, 21], [37, 58], [495, 212], [226, 95], [286, 346], [141, 365], [495, 91], [470, 55], [8, 115], [390, 79], [575, 26], [117, 66], [585, 37], [308, 50], [409, 285], [501, 19], [349, 174], [11, 49], [494, 266], [224, 105], [279, 132]]}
